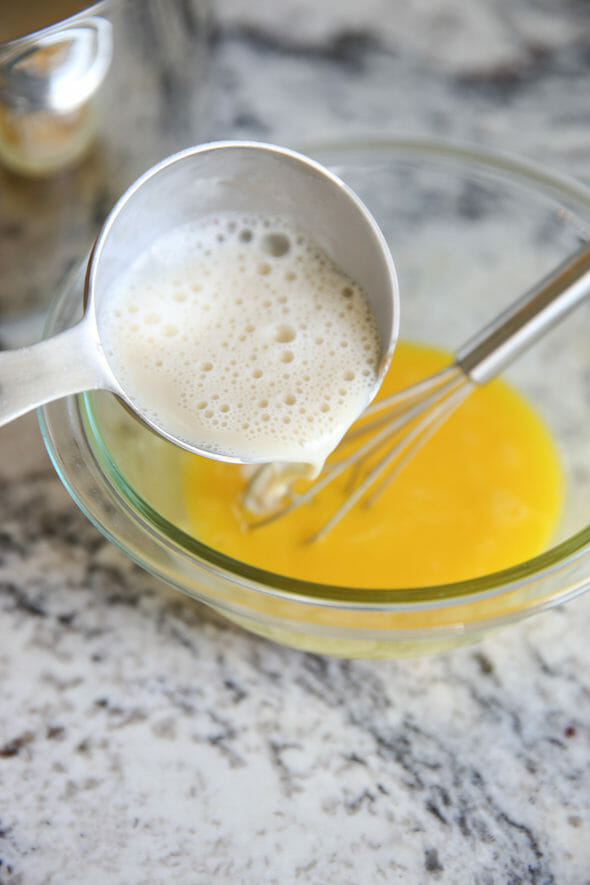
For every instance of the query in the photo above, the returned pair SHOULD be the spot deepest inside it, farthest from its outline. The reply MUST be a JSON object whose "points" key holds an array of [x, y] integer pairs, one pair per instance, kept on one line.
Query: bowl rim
{"points": [[568, 553]]}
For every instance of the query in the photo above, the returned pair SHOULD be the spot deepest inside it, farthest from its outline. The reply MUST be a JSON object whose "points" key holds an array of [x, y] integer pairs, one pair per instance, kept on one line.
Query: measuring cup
{"points": [[246, 177]]}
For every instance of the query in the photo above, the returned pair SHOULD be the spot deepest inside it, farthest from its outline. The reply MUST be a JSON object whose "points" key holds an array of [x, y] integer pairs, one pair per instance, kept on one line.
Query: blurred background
{"points": [[87, 106]]}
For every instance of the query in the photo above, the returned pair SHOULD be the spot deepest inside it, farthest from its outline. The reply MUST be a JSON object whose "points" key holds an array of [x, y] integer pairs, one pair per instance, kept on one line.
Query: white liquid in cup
{"points": [[238, 335]]}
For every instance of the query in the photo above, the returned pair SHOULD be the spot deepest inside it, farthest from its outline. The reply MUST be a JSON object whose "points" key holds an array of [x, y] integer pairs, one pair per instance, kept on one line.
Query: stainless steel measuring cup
{"points": [[246, 177]]}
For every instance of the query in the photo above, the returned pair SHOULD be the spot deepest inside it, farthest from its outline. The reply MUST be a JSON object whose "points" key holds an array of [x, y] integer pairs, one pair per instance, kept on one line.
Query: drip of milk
{"points": [[238, 335]]}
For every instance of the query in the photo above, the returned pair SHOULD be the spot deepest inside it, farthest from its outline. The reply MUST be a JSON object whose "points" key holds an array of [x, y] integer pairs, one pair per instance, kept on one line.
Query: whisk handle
{"points": [[537, 311]]}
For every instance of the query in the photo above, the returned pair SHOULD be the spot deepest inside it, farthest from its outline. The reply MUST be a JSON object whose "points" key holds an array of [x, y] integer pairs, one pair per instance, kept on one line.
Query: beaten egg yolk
{"points": [[484, 493]]}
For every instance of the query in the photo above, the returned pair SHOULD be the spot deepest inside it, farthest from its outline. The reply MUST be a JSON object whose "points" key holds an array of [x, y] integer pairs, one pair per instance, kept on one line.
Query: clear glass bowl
{"points": [[469, 232]]}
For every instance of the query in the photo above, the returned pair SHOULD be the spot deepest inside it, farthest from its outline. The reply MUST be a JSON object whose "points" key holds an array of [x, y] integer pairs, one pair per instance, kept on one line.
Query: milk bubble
{"points": [[226, 324]]}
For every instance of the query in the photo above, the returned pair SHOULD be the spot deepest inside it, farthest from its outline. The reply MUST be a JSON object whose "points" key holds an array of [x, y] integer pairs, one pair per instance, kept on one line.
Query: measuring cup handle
{"points": [[67, 363]]}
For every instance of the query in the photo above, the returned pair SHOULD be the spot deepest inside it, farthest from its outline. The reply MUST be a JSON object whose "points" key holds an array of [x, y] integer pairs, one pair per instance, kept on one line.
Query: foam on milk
{"points": [[237, 334]]}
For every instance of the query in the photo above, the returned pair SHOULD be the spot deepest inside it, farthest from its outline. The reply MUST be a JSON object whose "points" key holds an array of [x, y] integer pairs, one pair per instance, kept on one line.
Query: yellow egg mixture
{"points": [[484, 493]]}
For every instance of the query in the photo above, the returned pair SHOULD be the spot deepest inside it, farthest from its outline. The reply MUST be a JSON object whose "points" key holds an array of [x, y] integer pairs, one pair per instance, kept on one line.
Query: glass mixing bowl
{"points": [[469, 231]]}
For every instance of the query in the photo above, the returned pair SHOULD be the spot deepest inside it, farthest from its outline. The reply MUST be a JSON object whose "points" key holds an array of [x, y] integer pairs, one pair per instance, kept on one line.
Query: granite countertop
{"points": [[145, 740]]}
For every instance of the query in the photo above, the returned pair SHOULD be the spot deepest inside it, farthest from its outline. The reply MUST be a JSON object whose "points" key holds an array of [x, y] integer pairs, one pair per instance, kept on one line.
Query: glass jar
{"points": [[90, 96]]}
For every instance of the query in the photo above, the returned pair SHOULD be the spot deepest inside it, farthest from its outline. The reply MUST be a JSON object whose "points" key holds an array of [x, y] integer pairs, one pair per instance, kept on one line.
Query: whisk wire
{"points": [[450, 383], [411, 393], [389, 465], [406, 448], [409, 417]]}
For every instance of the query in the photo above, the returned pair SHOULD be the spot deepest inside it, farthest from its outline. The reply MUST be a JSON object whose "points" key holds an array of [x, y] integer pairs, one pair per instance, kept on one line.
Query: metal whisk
{"points": [[397, 426]]}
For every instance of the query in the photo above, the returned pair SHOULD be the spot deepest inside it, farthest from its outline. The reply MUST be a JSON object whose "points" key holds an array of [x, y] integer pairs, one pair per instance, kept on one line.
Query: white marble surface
{"points": [[144, 740]]}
